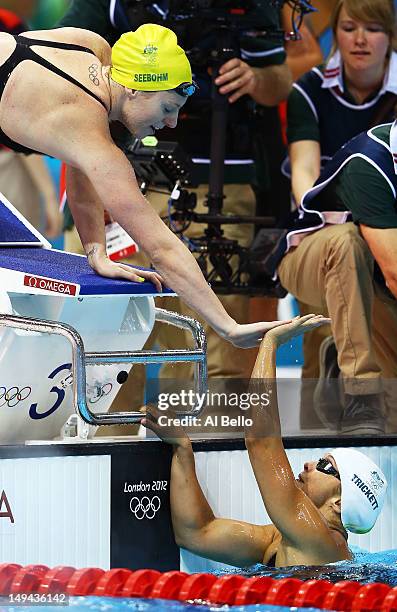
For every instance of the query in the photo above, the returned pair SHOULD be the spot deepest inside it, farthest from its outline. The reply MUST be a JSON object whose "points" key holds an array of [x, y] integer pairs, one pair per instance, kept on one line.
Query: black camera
{"points": [[222, 23], [167, 166], [191, 18]]}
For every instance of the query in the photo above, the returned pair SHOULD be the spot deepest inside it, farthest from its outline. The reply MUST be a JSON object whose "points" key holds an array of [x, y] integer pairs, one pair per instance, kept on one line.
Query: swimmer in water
{"points": [[342, 491], [59, 90]]}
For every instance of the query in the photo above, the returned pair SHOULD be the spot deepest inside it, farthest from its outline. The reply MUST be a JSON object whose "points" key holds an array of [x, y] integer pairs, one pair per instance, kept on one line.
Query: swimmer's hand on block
{"points": [[104, 266]]}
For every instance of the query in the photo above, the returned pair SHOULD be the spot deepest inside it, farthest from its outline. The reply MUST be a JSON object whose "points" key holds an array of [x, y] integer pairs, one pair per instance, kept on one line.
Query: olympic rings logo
{"points": [[12, 396], [93, 70], [145, 507], [101, 392]]}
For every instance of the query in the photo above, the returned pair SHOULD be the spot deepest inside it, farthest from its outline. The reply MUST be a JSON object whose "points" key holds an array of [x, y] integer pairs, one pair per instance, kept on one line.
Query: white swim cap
{"points": [[363, 487]]}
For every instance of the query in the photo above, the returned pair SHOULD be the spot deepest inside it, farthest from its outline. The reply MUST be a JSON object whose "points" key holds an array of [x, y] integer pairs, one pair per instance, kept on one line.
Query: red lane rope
{"points": [[200, 588]]}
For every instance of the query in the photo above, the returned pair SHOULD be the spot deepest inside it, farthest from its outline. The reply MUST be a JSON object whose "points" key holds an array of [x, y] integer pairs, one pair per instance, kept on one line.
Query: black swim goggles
{"points": [[186, 89], [325, 466]]}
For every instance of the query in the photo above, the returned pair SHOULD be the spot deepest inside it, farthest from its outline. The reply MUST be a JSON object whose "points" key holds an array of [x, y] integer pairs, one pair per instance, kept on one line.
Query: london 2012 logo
{"points": [[145, 507]]}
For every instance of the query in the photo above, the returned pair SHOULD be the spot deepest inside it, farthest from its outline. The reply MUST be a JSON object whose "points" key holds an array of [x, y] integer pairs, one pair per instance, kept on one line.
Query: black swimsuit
{"points": [[23, 52]]}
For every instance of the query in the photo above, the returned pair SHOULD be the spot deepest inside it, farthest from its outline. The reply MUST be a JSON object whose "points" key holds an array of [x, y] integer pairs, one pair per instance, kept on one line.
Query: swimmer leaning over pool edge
{"points": [[59, 90], [343, 491]]}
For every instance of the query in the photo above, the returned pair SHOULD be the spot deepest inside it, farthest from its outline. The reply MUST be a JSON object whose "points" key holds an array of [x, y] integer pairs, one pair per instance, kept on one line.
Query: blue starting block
{"points": [[67, 333]]}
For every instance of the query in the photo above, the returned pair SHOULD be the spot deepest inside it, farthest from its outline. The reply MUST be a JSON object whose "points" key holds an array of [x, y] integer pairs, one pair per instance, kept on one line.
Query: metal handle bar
{"points": [[80, 359]]}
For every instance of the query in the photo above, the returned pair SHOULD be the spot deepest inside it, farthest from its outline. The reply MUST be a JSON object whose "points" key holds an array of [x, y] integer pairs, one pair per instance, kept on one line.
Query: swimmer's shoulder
{"points": [[77, 36], [7, 45]]}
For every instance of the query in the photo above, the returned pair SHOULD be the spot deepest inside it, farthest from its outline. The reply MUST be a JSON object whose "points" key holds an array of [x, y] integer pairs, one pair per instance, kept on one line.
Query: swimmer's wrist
{"points": [[183, 446], [94, 252], [226, 330], [270, 341]]}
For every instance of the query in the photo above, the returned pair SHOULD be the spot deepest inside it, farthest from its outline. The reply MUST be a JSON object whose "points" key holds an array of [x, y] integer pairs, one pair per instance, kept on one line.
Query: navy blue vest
{"points": [[309, 217]]}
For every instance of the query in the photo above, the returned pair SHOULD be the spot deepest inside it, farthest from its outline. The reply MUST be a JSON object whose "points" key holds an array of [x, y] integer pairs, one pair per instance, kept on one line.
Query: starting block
{"points": [[68, 337]]}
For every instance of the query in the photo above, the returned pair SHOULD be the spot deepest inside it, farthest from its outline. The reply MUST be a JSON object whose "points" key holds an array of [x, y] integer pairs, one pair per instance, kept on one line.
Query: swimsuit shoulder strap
{"points": [[28, 42]]}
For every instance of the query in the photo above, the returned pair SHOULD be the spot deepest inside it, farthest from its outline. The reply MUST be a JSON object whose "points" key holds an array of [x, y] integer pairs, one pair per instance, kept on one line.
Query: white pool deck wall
{"points": [[61, 509], [230, 487], [62, 506]]}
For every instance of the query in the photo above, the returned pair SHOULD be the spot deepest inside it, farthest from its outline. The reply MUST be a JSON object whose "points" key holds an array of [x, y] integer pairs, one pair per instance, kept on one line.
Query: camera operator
{"points": [[259, 76]]}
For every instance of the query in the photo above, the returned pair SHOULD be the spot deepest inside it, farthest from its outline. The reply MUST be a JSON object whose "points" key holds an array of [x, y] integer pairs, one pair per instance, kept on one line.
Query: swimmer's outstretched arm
{"points": [[293, 513], [114, 186], [195, 526], [89, 220]]}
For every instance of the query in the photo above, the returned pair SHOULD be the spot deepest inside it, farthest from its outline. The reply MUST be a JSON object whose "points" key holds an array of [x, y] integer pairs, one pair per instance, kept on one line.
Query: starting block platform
{"points": [[28, 268], [68, 337], [26, 257]]}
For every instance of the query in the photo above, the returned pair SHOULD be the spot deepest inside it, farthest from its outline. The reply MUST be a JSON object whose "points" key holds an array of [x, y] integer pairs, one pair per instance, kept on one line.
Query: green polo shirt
{"points": [[329, 116], [363, 190], [91, 15]]}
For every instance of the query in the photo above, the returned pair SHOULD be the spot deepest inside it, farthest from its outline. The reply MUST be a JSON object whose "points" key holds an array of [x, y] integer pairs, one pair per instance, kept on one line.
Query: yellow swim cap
{"points": [[150, 59]]}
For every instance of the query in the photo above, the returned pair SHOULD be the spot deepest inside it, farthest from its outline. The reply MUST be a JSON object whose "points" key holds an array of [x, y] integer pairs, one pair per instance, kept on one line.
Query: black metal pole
{"points": [[226, 49]]}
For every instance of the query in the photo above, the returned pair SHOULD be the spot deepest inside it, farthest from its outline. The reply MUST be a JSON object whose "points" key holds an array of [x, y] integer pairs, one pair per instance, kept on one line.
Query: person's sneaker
{"points": [[363, 415], [328, 397]]}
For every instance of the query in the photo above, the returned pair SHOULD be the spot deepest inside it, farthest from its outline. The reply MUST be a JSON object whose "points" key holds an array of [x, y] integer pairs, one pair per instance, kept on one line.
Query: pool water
{"points": [[113, 604], [365, 567]]}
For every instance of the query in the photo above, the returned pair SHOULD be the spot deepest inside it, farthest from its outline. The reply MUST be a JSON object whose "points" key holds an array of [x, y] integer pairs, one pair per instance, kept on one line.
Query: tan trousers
{"points": [[332, 271], [224, 360], [311, 369], [17, 186]]}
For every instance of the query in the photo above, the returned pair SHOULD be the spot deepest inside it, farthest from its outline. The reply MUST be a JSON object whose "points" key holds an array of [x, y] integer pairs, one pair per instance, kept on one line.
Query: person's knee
{"points": [[348, 248], [284, 273]]}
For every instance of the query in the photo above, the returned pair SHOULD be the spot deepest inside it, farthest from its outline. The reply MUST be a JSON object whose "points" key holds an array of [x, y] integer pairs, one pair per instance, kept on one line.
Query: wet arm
{"points": [[198, 530], [290, 510]]}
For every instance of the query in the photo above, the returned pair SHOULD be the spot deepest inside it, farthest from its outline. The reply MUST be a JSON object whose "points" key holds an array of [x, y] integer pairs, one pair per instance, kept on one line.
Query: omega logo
{"points": [[49, 284]]}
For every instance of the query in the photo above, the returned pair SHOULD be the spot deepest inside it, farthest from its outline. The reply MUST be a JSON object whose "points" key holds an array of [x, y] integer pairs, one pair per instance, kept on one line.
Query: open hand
{"points": [[251, 334], [298, 326]]}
